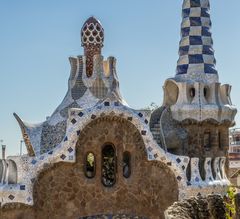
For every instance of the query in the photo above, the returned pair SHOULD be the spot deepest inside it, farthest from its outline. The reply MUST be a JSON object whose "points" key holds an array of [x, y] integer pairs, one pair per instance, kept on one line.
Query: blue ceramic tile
{"points": [[195, 40], [185, 31], [195, 59], [206, 31], [70, 150], [63, 156], [178, 160], [195, 3], [205, 12], [34, 161], [93, 116], [179, 178], [207, 50], [80, 114], [11, 197], [73, 121], [182, 69], [185, 12], [183, 50], [22, 187], [195, 21], [210, 69]]}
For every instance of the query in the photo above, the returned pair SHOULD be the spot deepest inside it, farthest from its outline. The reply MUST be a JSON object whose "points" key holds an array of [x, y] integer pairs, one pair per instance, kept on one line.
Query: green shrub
{"points": [[229, 201]]}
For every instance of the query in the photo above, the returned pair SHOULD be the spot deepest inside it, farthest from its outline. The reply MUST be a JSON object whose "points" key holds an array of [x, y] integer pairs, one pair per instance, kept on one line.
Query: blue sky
{"points": [[37, 37]]}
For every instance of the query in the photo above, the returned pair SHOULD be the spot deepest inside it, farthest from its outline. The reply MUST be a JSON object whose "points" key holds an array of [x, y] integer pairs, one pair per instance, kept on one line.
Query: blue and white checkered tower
{"points": [[196, 55], [195, 94]]}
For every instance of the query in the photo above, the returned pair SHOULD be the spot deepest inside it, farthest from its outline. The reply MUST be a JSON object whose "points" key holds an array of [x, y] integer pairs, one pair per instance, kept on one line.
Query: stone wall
{"points": [[63, 190], [218, 143], [210, 207]]}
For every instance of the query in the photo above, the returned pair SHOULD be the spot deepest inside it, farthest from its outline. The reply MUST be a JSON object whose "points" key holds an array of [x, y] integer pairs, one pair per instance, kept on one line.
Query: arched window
{"points": [[206, 93], [108, 165], [126, 164], [192, 92], [90, 165]]}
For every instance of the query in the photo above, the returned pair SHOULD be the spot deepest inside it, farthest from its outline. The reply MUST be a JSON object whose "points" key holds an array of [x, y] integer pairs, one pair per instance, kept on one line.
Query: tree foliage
{"points": [[230, 203]]}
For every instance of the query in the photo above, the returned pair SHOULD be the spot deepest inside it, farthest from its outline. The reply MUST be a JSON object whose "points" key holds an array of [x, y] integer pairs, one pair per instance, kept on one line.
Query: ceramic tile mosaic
{"points": [[196, 55], [93, 93], [65, 151]]}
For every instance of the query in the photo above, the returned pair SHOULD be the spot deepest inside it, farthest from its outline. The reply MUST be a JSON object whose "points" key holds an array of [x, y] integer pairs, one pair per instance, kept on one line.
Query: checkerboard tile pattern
{"points": [[196, 55]]}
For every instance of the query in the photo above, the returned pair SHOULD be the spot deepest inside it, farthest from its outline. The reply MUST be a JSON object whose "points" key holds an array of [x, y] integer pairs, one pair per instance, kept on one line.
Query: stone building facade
{"points": [[95, 157], [234, 156]]}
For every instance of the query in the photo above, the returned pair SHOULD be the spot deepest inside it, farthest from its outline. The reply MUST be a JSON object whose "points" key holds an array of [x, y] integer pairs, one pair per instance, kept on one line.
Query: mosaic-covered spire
{"points": [[196, 54], [92, 37]]}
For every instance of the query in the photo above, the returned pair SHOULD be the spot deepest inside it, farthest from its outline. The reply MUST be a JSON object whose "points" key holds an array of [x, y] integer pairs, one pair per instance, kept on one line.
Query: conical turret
{"points": [[195, 97], [196, 55]]}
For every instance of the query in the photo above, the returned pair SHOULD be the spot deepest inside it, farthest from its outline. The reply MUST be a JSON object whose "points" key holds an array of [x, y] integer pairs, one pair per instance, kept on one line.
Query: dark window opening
{"points": [[207, 141], [201, 168], [126, 164], [205, 91], [188, 171], [213, 170], [192, 92], [219, 140], [90, 165], [108, 166]]}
